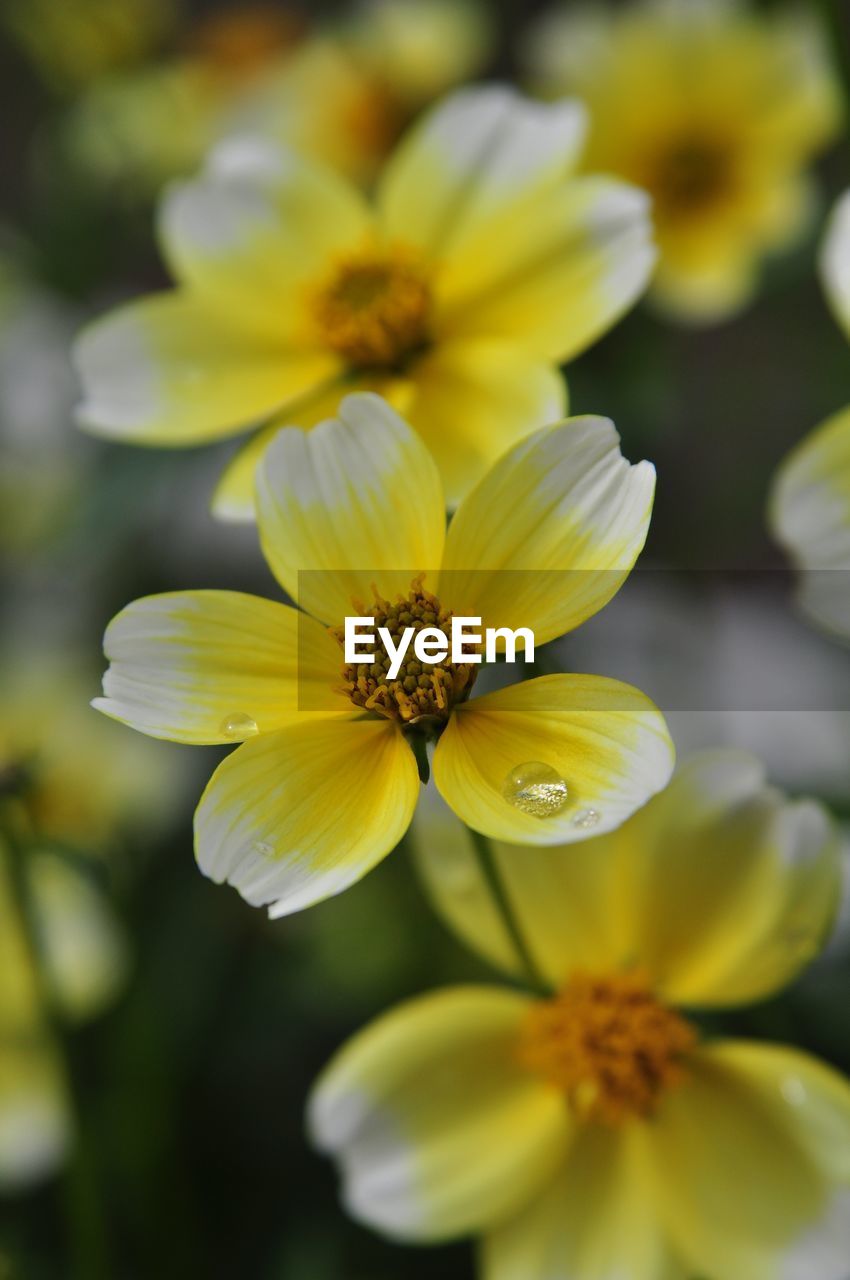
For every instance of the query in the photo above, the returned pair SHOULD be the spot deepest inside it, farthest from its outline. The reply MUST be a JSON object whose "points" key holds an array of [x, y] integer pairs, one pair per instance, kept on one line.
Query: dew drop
{"points": [[239, 725], [794, 1092], [536, 788], [586, 819], [265, 849]]}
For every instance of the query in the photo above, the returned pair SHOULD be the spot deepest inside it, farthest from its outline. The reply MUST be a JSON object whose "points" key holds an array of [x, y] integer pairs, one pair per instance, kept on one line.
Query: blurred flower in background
{"points": [[591, 1129], [713, 108], [65, 799], [341, 91], [481, 264], [810, 501]]}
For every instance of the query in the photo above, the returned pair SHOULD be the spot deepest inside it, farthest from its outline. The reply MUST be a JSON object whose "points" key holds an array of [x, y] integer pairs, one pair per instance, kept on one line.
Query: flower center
{"points": [[608, 1044], [373, 308], [420, 690], [691, 175]]}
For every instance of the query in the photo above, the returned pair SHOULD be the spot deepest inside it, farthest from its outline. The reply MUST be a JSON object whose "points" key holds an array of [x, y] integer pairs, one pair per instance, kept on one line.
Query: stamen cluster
{"points": [[421, 690], [608, 1043], [373, 309]]}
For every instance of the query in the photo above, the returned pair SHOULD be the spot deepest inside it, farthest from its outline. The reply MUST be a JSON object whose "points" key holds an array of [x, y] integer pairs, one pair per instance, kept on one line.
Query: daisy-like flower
{"points": [[716, 111], [592, 1131], [325, 782], [809, 509], [480, 265]]}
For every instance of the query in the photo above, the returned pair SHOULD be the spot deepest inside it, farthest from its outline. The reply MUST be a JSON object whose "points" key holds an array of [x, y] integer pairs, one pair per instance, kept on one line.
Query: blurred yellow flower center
{"points": [[608, 1043], [238, 44], [421, 690], [690, 176], [373, 309]]}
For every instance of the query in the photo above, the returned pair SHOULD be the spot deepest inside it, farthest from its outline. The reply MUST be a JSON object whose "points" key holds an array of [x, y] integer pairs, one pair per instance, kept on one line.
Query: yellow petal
{"points": [[835, 262], [810, 515], [553, 275], [560, 898], [751, 1151], [470, 401], [254, 228], [550, 533], [596, 1220], [604, 739], [235, 497], [724, 889], [353, 502], [169, 371], [481, 154], [437, 1129], [216, 666], [296, 816]]}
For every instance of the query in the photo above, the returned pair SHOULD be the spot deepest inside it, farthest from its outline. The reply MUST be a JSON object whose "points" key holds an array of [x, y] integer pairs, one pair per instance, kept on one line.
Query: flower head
{"points": [[479, 266], [715, 111], [594, 1130], [325, 782]]}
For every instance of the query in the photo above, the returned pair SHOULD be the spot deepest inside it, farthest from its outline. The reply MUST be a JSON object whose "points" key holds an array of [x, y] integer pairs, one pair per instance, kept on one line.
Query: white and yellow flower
{"points": [[592, 1131], [479, 267], [325, 782], [716, 111], [809, 510]]}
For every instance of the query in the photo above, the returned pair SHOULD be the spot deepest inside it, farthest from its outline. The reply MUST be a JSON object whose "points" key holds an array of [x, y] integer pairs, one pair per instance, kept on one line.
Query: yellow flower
{"points": [[591, 1131], [809, 508], [325, 783], [715, 111], [479, 267], [80, 967]]}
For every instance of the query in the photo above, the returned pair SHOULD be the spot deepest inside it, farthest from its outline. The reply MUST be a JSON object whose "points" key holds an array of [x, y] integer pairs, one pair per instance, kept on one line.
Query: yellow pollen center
{"points": [[373, 309], [608, 1043], [421, 690], [690, 176]]}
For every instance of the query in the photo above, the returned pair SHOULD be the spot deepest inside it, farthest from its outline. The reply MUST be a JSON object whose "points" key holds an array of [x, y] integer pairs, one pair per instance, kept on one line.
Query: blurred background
{"points": [[157, 1035]]}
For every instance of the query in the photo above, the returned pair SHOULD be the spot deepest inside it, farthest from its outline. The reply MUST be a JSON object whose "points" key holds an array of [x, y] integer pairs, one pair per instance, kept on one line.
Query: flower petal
{"points": [[750, 1152], [437, 1129], [561, 898], [472, 400], [835, 262], [235, 495], [296, 816], [216, 666], [548, 536], [168, 371], [480, 154], [605, 739], [810, 515], [553, 276], [726, 889], [353, 502], [596, 1220], [254, 228]]}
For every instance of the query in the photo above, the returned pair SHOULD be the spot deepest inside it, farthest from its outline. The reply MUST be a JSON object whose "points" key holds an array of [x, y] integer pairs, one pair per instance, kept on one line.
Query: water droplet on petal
{"points": [[265, 849], [586, 819], [536, 788], [239, 725], [794, 1091]]}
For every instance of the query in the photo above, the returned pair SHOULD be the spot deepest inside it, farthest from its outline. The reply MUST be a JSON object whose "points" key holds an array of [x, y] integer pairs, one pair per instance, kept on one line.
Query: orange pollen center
{"points": [[374, 307], [421, 691], [608, 1043], [691, 175]]}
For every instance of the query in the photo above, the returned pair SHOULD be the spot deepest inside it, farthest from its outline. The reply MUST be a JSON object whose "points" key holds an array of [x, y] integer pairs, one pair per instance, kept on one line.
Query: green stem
{"points": [[490, 872]]}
